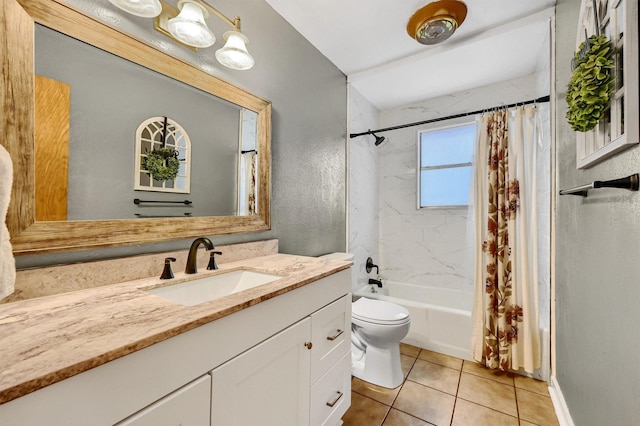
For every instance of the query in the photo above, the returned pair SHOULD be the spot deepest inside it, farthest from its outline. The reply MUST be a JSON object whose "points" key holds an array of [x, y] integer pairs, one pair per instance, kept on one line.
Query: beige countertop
{"points": [[49, 339]]}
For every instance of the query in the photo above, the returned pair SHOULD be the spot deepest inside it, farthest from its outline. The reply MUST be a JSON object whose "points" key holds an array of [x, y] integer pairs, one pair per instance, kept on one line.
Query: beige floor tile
{"points": [[436, 358], [435, 376], [364, 411], [536, 408], [398, 418], [489, 393], [526, 423], [425, 403], [532, 385], [469, 414], [378, 393], [406, 362], [409, 350], [480, 370]]}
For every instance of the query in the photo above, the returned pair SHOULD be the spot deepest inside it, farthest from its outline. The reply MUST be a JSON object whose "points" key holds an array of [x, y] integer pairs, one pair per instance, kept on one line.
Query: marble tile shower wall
{"points": [[429, 246], [363, 186]]}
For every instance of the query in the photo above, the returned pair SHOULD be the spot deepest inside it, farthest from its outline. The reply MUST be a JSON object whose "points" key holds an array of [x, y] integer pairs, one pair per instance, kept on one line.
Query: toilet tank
{"points": [[347, 257]]}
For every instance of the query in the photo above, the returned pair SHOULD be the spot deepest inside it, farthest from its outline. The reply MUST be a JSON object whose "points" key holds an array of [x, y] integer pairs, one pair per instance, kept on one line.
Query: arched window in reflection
{"points": [[163, 156]]}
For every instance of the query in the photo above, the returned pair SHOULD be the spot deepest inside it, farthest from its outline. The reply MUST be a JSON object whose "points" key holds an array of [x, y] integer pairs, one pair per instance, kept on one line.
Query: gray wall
{"points": [[309, 98], [597, 270]]}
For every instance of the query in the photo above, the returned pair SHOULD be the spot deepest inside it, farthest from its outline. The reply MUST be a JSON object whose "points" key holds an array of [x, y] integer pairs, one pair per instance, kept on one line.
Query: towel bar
{"points": [[630, 182], [139, 201]]}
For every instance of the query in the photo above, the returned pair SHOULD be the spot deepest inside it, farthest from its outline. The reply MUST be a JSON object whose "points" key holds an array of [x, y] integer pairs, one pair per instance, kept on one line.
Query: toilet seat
{"points": [[379, 312]]}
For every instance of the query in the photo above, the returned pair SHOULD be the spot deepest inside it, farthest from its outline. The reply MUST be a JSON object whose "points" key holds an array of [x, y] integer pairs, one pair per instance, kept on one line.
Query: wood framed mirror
{"points": [[30, 236]]}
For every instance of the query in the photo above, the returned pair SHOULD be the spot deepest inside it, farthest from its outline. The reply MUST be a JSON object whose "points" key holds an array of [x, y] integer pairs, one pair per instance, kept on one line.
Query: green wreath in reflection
{"points": [[162, 163], [589, 91]]}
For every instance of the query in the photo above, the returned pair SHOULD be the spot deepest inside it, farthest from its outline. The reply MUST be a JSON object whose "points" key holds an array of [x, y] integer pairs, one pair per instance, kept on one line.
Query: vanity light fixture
{"points": [[186, 25], [437, 21]]}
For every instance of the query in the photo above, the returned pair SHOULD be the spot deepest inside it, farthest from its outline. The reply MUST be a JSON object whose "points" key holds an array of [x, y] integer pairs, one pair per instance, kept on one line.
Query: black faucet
{"points": [[376, 282], [192, 267]]}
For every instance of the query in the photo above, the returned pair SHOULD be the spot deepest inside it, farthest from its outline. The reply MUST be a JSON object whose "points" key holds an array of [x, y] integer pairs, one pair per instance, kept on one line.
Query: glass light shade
{"points": [[437, 21], [143, 8], [189, 26], [436, 30], [234, 53]]}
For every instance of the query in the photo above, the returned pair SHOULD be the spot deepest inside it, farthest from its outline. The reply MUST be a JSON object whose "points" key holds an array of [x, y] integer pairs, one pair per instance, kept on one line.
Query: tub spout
{"points": [[376, 282]]}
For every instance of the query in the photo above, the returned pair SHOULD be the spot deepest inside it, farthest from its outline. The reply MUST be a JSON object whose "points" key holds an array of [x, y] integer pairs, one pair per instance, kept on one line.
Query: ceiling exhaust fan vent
{"points": [[437, 21]]}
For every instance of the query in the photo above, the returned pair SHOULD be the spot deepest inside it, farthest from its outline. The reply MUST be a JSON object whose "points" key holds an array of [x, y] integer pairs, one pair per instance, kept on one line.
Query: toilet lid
{"points": [[379, 311]]}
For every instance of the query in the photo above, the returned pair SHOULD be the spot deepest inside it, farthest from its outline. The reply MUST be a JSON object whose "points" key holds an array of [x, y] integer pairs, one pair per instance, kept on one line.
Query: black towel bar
{"points": [[630, 182], [139, 201]]}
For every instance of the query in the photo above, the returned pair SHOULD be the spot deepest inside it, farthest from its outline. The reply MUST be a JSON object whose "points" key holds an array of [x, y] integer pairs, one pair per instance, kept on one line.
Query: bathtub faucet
{"points": [[376, 282], [370, 265]]}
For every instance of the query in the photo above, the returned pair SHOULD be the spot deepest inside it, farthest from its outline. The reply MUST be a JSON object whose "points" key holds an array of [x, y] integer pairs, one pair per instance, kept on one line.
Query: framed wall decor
{"points": [[618, 129]]}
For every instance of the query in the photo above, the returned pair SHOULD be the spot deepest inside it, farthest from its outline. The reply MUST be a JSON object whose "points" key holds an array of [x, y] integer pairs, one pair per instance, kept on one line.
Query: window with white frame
{"points": [[162, 132], [444, 165]]}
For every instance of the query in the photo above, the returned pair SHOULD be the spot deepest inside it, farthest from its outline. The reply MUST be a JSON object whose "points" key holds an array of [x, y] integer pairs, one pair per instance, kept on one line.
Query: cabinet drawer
{"points": [[331, 335], [331, 395]]}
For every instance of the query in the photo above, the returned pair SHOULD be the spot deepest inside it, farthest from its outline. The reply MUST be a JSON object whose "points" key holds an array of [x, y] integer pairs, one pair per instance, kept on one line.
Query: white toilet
{"points": [[377, 327], [376, 330]]}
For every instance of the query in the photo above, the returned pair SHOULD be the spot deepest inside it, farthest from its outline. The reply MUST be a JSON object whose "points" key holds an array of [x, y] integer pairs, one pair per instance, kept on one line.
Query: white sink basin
{"points": [[194, 292]]}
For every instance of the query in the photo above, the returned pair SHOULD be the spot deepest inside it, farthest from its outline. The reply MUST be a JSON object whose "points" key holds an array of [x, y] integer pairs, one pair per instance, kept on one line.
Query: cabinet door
{"points": [[188, 405], [268, 385]]}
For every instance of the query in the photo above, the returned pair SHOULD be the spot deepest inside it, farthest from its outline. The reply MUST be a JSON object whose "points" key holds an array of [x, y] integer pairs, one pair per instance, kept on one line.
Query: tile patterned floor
{"points": [[446, 391]]}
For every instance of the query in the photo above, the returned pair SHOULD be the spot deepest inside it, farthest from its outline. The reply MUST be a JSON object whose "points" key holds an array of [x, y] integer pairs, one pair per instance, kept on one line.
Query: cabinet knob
{"points": [[309, 345]]}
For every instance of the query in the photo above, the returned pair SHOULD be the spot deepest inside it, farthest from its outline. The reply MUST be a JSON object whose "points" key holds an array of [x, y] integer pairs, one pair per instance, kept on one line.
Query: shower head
{"points": [[379, 139]]}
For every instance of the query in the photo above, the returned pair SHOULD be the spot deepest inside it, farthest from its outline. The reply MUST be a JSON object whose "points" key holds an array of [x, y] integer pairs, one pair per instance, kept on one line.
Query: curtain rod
{"points": [[402, 126]]}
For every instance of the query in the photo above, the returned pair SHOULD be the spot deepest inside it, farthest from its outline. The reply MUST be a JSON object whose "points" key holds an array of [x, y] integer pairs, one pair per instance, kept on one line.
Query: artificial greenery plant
{"points": [[590, 87], [162, 163]]}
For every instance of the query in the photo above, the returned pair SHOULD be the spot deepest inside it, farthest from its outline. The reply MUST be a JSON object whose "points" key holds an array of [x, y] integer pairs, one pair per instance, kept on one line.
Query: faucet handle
{"points": [[212, 260], [370, 265], [167, 273]]}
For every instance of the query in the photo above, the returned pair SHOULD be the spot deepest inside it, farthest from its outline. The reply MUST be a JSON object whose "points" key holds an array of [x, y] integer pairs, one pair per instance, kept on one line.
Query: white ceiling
{"points": [[367, 40]]}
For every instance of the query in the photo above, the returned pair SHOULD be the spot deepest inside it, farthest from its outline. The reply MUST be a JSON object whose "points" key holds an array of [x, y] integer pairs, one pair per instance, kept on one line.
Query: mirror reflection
{"points": [[93, 155], [18, 86]]}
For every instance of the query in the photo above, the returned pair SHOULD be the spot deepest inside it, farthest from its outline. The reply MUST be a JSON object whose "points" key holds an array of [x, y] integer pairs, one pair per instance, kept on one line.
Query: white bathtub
{"points": [[440, 317]]}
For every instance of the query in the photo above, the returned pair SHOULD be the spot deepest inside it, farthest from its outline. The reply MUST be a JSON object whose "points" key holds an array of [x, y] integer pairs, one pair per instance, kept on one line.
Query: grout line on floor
{"points": [[455, 402], [515, 394]]}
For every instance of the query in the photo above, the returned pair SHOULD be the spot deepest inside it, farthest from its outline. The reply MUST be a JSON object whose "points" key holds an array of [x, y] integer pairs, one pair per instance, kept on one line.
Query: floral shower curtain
{"points": [[506, 332]]}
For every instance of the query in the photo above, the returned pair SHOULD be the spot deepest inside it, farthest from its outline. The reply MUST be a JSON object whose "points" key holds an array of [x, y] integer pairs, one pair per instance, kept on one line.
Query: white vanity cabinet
{"points": [[283, 361], [301, 376]]}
